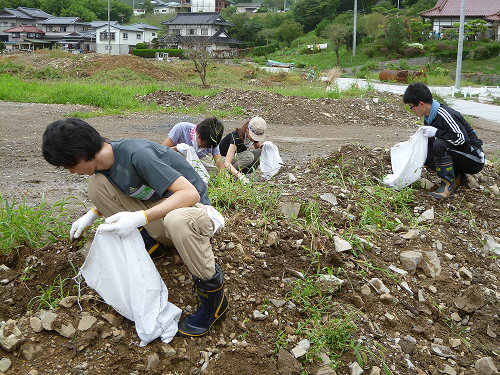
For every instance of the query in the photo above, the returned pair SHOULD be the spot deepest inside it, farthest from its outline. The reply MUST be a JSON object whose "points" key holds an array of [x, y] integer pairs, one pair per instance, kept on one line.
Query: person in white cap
{"points": [[235, 147]]}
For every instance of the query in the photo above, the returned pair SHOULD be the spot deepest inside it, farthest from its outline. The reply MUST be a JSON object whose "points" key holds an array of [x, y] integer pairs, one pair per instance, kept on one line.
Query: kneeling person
{"points": [[138, 183]]}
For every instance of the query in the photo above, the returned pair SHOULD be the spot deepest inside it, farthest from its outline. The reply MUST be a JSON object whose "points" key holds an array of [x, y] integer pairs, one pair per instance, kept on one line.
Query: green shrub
{"points": [[141, 46], [390, 66], [368, 51], [403, 64], [452, 47], [264, 50], [412, 51], [384, 51], [481, 53], [151, 53], [493, 48], [440, 47]]}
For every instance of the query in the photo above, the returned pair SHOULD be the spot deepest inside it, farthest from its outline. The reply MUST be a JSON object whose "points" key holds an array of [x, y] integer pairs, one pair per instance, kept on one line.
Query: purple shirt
{"points": [[185, 132]]}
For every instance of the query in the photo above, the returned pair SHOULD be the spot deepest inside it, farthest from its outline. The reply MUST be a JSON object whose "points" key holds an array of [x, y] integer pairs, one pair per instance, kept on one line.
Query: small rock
{"points": [[485, 366]]}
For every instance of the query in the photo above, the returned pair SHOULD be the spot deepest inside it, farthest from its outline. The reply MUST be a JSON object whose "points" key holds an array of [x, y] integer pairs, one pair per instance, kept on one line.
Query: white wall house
{"points": [[119, 38], [205, 5], [150, 32], [447, 12]]}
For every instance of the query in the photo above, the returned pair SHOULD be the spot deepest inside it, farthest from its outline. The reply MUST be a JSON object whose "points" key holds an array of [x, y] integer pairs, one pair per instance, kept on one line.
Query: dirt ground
{"points": [[315, 137]]}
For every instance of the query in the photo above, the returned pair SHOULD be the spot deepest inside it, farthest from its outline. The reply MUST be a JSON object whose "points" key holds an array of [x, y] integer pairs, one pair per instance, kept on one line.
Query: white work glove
{"points": [[243, 179], [82, 223], [429, 131], [124, 223], [183, 148]]}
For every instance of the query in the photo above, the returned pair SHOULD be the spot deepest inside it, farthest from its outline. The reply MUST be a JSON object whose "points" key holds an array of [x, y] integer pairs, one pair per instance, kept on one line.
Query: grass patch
{"points": [[22, 225]]}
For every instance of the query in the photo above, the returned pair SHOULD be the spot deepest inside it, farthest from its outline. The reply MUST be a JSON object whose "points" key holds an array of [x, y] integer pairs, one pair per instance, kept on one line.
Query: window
{"points": [[4, 24], [139, 36], [16, 35], [153, 34], [104, 36], [125, 35], [204, 31], [49, 28], [192, 31], [31, 35]]}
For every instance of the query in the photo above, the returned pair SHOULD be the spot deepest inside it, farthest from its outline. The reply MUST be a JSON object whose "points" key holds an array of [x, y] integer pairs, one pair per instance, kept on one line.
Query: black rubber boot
{"points": [[213, 306], [444, 169], [460, 179], [155, 249]]}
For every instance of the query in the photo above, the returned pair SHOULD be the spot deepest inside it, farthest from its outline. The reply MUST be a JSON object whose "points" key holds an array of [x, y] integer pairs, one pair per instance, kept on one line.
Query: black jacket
{"points": [[452, 127]]}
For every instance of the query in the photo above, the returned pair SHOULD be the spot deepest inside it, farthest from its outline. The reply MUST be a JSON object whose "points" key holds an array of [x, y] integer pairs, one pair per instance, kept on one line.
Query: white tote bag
{"points": [[270, 160], [407, 160], [122, 272]]}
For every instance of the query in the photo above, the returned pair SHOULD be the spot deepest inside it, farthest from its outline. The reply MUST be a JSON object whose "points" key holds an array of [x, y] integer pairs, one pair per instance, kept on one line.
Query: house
{"points": [[25, 37], [55, 28], [10, 18], [150, 32], [117, 39], [205, 5], [206, 27], [79, 41], [161, 7], [447, 12], [247, 7]]}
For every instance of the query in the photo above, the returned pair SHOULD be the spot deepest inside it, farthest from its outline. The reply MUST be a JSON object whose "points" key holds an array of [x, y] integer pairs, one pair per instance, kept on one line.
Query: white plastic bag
{"points": [[122, 272], [194, 160], [270, 160], [407, 159]]}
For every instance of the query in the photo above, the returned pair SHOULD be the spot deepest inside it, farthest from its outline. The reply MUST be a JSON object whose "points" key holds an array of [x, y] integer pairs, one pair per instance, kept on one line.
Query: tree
{"points": [[396, 34], [148, 7], [310, 12], [473, 28], [289, 31], [374, 24], [337, 33], [197, 52], [266, 34], [420, 30], [78, 10]]}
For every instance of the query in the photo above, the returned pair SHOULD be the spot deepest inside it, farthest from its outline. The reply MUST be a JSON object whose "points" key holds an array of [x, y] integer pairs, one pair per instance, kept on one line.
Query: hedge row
{"points": [[264, 50], [151, 53]]}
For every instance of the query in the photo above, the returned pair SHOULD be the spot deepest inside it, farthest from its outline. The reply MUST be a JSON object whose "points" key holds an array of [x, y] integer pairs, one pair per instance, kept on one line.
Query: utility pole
{"points": [[109, 31], [355, 19], [458, 75]]}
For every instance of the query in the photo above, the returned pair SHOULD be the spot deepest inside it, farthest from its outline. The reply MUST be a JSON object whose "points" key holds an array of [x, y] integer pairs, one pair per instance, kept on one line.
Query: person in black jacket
{"points": [[454, 148]]}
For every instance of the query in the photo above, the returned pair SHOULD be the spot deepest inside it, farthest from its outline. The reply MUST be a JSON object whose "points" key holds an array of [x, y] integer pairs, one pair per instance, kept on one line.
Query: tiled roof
{"points": [[96, 24], [198, 18], [142, 25], [493, 17], [14, 13], [24, 29], [64, 21], [35, 13], [473, 8]]}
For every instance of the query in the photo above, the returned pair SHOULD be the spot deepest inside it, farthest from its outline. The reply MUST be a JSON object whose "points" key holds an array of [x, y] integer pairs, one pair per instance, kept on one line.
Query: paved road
{"points": [[467, 107]]}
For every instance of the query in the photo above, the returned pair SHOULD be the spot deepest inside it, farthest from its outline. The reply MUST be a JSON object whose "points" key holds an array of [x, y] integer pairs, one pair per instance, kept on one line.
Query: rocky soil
{"points": [[418, 278]]}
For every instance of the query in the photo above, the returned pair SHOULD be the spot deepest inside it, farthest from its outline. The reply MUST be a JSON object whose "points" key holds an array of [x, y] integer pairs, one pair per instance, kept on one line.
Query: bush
{"points": [[493, 48], [481, 53], [384, 51], [141, 46], [264, 50], [368, 51], [151, 53], [403, 64], [412, 51], [440, 47], [452, 47]]}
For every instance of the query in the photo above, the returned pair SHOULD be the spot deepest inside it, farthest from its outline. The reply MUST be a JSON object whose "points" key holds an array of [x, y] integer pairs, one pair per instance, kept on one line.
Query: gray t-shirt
{"points": [[145, 170], [185, 132]]}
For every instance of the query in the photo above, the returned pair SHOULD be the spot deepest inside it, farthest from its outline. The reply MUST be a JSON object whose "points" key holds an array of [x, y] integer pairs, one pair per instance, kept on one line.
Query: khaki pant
{"points": [[189, 229], [245, 158]]}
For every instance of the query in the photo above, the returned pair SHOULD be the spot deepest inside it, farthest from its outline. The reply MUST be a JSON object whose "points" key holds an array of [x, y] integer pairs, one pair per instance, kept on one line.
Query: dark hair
{"points": [[69, 141], [417, 92], [210, 131], [241, 131]]}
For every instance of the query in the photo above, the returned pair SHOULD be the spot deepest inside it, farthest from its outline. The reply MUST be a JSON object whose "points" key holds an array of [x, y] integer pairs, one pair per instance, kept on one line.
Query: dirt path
{"points": [[23, 170]]}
